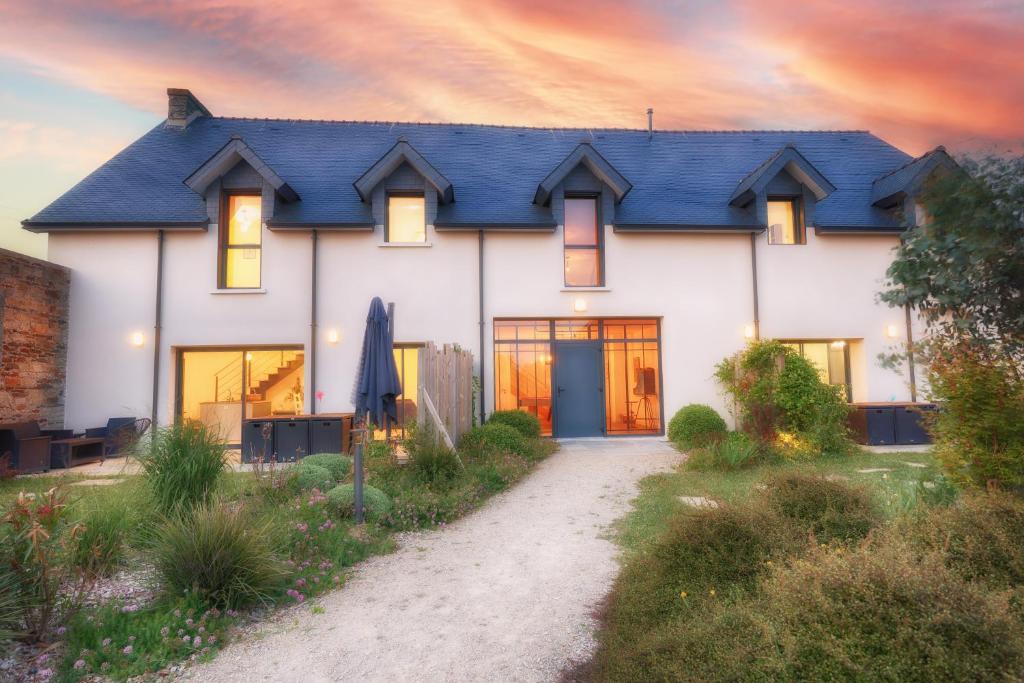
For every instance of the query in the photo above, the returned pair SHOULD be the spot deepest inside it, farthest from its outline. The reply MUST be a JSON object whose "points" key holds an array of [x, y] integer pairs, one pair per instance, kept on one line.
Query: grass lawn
{"points": [[660, 494]]}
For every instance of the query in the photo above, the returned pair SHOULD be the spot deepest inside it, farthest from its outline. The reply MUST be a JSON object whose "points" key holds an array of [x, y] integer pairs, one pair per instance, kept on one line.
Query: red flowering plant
{"points": [[37, 542]]}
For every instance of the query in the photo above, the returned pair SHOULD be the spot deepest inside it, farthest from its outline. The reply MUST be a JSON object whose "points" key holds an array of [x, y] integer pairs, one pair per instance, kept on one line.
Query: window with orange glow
{"points": [[582, 243], [632, 363], [407, 219], [241, 242], [522, 368], [785, 221]]}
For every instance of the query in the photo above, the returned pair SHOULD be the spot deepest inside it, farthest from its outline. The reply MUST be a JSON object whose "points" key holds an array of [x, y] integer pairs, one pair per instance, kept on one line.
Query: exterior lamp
{"points": [[579, 305], [748, 331], [892, 331], [137, 339], [332, 336]]}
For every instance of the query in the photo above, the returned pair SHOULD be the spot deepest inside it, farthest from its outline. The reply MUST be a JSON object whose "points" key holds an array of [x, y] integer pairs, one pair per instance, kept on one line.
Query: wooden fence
{"points": [[445, 394]]}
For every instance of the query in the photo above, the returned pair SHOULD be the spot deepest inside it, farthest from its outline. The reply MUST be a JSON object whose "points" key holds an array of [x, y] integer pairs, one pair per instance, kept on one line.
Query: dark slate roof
{"points": [[891, 186], [786, 158], [679, 178]]}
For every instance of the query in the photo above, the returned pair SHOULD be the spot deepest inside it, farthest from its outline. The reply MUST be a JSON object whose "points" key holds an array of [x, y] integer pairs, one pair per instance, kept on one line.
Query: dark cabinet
{"points": [[325, 435], [881, 426], [909, 425], [257, 440], [291, 439]]}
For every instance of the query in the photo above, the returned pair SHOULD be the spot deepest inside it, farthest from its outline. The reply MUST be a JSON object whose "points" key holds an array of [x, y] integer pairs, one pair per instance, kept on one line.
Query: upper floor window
{"points": [[785, 221], [241, 241], [406, 219], [583, 247]]}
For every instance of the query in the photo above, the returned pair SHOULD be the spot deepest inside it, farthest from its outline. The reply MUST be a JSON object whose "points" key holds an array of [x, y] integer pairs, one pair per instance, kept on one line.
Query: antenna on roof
{"points": [[650, 124]]}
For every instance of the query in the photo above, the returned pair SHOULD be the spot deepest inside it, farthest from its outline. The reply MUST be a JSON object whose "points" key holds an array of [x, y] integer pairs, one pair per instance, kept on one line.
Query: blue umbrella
{"points": [[377, 386]]}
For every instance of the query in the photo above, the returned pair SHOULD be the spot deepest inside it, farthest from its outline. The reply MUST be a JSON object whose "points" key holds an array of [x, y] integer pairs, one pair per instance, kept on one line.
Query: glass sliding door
{"points": [[221, 387], [632, 376]]}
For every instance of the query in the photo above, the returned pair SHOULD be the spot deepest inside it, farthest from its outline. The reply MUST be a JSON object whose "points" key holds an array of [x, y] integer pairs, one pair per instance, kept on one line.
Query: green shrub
{"points": [[696, 426], [779, 393], [883, 613], [524, 422], [734, 452], [311, 476], [341, 500], [435, 465], [338, 465], [219, 553], [10, 606], [494, 436], [981, 537], [101, 546], [831, 510], [182, 465]]}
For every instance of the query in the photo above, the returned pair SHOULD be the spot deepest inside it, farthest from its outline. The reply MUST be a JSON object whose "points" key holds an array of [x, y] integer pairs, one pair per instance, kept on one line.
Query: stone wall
{"points": [[33, 339]]}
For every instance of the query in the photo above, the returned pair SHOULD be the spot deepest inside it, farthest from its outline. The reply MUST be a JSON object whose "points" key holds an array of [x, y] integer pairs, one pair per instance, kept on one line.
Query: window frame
{"points": [[799, 229], [598, 231], [847, 367], [387, 213], [224, 229]]}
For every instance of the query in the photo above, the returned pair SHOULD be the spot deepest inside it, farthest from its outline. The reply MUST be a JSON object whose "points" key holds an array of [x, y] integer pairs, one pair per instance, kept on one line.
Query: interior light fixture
{"points": [[838, 344]]}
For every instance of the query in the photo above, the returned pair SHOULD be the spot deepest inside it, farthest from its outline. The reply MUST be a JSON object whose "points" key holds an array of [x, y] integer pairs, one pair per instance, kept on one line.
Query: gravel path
{"points": [[505, 594]]}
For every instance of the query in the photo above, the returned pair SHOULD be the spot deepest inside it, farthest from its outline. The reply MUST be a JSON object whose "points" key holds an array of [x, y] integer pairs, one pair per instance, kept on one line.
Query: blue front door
{"points": [[579, 389]]}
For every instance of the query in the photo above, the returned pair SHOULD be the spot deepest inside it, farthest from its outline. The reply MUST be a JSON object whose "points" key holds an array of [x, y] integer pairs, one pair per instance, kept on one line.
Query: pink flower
{"points": [[319, 395], [197, 641], [164, 631], [128, 649], [45, 674], [185, 639], [79, 664], [106, 641], [61, 631]]}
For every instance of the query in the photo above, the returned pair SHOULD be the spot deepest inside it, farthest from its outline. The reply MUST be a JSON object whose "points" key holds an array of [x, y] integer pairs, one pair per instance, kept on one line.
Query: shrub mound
{"points": [[216, 553], [311, 476], [696, 426], [435, 465], [494, 436], [734, 452], [341, 499], [338, 465], [525, 423], [182, 465], [831, 510]]}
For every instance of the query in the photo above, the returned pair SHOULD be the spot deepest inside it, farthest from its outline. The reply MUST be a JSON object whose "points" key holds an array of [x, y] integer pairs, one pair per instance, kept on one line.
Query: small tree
{"points": [[962, 272]]}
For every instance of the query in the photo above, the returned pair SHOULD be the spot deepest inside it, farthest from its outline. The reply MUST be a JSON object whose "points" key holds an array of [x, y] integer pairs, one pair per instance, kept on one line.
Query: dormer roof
{"points": [[403, 153], [890, 189], [590, 158], [786, 159], [224, 159]]}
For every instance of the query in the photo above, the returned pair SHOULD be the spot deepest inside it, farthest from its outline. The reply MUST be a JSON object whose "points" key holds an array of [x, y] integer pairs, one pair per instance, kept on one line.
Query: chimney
{"points": [[650, 124], [183, 108]]}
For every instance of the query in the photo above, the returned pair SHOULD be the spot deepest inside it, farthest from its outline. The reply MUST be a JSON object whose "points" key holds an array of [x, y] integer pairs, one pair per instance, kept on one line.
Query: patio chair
{"points": [[29, 448], [120, 434]]}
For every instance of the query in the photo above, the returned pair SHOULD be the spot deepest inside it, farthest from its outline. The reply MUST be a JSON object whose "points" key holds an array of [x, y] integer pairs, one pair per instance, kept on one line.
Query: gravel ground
{"points": [[505, 594]]}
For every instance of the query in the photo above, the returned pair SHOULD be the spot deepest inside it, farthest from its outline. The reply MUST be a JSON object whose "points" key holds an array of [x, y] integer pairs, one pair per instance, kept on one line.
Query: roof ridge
{"points": [[453, 124]]}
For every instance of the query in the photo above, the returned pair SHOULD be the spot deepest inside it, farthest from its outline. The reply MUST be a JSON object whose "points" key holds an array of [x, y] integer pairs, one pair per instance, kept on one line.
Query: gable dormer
{"points": [[898, 190], [782, 193]]}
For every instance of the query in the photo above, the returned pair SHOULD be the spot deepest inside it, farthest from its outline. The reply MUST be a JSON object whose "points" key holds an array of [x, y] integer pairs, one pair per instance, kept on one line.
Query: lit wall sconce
{"points": [[248, 355], [748, 331], [838, 344], [892, 331], [579, 305], [137, 339], [332, 336]]}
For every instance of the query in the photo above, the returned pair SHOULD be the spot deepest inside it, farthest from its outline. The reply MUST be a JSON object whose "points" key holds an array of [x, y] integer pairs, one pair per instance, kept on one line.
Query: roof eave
{"points": [[114, 226], [709, 229]]}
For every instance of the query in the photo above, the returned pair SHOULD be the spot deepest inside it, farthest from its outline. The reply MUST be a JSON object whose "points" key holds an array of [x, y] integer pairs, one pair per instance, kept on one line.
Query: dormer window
{"points": [[406, 219], [785, 221], [241, 241], [583, 267]]}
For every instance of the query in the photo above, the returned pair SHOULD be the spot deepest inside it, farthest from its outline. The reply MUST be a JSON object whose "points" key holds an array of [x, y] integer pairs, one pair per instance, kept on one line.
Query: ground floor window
{"points": [[222, 386], [407, 359], [526, 352], [831, 358]]}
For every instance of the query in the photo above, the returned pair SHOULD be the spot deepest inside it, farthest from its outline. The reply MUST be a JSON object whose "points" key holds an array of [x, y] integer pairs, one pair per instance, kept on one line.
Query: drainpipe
{"points": [[157, 322], [480, 279], [910, 356], [753, 278], [312, 329]]}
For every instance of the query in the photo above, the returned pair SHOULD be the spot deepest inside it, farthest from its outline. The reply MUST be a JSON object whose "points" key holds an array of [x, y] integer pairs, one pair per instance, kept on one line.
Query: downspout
{"points": [[312, 329], [157, 322], [753, 278], [480, 282], [910, 356]]}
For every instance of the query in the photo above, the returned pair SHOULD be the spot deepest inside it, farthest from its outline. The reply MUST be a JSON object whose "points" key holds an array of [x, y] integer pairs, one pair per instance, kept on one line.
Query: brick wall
{"points": [[33, 339]]}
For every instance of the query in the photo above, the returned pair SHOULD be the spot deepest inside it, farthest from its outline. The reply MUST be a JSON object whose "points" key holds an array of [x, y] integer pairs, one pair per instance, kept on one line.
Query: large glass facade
{"points": [[526, 350]]}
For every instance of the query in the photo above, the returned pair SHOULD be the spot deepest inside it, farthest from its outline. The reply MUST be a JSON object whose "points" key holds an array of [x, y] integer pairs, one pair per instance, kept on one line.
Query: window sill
{"points": [[586, 289], [239, 290], [404, 245]]}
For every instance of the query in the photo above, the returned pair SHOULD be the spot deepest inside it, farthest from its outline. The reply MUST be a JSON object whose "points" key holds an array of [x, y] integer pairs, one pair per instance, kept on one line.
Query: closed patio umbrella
{"points": [[377, 385]]}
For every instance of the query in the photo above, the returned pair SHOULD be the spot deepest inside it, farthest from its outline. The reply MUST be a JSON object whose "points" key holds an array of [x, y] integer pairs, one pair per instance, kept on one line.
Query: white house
{"points": [[224, 266]]}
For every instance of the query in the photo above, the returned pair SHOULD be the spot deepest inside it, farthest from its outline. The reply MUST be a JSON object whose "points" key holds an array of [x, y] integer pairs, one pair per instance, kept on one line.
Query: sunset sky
{"points": [[80, 80]]}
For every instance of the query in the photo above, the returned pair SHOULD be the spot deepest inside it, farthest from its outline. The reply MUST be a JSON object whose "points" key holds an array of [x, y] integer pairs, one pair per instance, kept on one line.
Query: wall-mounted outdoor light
{"points": [[579, 305], [137, 338], [332, 336], [892, 331], [748, 331]]}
